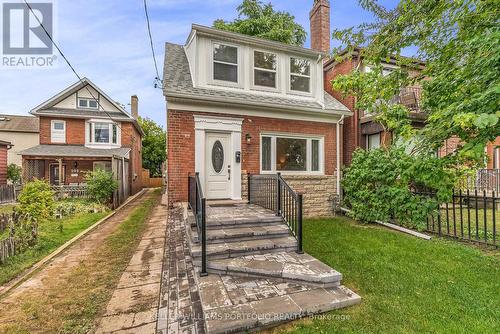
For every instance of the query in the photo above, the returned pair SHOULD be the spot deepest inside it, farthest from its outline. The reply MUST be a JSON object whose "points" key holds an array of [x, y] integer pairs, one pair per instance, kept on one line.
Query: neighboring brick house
{"points": [[238, 104], [5, 146], [82, 129], [22, 132]]}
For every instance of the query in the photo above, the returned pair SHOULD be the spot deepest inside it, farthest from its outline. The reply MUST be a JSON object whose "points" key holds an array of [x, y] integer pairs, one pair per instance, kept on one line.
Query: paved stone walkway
{"points": [[134, 304], [180, 306]]}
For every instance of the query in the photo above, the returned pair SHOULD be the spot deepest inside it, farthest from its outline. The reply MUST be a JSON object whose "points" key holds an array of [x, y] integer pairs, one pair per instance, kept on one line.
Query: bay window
{"points": [[291, 154], [225, 59], [300, 75], [264, 64], [103, 133]]}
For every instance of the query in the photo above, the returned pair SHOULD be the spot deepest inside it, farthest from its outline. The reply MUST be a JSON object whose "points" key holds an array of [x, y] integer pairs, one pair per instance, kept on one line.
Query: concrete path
{"points": [[134, 304], [38, 284]]}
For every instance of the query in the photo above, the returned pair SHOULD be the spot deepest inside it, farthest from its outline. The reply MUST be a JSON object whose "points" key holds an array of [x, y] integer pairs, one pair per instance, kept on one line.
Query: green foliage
{"points": [[36, 200], [260, 20], [14, 173], [153, 146], [101, 185], [379, 185], [74, 207], [460, 44]]}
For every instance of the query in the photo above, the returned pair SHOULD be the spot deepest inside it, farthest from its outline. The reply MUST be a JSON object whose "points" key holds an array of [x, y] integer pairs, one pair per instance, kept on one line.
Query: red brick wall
{"points": [[131, 138], [3, 164], [320, 26], [181, 144], [75, 130], [351, 131]]}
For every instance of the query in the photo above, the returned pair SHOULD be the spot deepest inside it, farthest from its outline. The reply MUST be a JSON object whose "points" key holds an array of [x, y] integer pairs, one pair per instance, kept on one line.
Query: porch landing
{"points": [[256, 279]]}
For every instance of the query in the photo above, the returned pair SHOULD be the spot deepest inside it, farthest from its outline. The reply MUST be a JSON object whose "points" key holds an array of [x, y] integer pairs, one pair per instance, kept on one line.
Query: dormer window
{"points": [[300, 75], [264, 69], [87, 103], [225, 63]]}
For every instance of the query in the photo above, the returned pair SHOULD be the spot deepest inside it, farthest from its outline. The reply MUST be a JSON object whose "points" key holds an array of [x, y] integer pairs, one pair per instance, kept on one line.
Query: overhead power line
{"points": [[157, 79]]}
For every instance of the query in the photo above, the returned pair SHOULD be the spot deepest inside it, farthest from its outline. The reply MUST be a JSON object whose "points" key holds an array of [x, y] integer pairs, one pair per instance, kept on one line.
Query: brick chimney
{"points": [[320, 26], [134, 106]]}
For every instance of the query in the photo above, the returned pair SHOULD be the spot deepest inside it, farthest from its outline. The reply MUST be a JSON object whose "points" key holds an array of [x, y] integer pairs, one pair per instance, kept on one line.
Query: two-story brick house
{"points": [[83, 129], [238, 104]]}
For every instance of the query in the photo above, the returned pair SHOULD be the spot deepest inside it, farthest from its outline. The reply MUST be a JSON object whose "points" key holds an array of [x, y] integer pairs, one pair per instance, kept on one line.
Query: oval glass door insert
{"points": [[217, 156]]}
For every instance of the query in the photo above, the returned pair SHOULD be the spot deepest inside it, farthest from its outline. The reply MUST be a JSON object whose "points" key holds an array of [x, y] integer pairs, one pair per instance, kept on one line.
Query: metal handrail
{"points": [[198, 204], [274, 193]]}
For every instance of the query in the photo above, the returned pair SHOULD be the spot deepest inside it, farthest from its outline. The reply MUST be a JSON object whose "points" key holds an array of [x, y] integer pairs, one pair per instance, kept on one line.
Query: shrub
{"points": [[14, 173], [379, 185], [36, 200], [101, 185]]}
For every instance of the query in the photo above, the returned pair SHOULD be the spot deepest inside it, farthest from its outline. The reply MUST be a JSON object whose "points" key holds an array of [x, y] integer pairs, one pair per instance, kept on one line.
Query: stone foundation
{"points": [[319, 192]]}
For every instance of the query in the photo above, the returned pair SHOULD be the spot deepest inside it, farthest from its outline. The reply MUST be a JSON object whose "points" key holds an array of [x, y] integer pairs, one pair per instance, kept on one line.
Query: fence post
{"points": [[189, 191], [203, 239], [248, 187], [299, 224], [278, 195]]}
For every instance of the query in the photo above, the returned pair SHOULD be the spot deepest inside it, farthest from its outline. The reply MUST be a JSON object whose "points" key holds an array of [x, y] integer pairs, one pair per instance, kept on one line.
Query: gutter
{"points": [[341, 121]]}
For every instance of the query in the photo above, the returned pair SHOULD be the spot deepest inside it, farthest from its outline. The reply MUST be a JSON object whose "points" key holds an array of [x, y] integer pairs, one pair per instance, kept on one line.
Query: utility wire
{"points": [[69, 64], [157, 79]]}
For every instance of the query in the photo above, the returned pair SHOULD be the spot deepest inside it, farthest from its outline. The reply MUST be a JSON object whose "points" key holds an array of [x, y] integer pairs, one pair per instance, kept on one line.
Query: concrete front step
{"points": [[238, 305], [284, 266], [242, 233], [243, 248], [251, 221]]}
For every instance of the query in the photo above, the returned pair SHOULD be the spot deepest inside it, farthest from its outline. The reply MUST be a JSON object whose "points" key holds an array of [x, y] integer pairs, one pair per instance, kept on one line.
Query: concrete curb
{"points": [[40, 264]]}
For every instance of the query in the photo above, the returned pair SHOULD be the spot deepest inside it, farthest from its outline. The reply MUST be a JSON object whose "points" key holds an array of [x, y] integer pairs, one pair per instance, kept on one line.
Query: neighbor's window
{"points": [[496, 158], [373, 141], [264, 69], [87, 103], [58, 131], [225, 63], [291, 154], [103, 133], [300, 75]]}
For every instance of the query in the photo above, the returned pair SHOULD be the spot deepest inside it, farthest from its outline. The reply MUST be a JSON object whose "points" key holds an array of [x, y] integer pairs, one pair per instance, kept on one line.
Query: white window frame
{"points": [[90, 133], [310, 76], [496, 157], [309, 138], [57, 135], [102, 163], [88, 103], [368, 148], [238, 67], [277, 71]]}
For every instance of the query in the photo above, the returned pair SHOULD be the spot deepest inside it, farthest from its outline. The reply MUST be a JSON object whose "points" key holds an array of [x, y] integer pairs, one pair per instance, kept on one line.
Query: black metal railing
{"points": [[273, 192], [198, 205], [470, 216]]}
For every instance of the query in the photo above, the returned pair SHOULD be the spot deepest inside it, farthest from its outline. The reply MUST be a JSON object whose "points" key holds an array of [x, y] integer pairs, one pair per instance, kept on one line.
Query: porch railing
{"points": [[71, 191], [198, 205], [273, 192]]}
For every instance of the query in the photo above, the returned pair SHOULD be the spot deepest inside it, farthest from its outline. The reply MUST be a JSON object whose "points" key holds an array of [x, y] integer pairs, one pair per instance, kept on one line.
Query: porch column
{"points": [[60, 172]]}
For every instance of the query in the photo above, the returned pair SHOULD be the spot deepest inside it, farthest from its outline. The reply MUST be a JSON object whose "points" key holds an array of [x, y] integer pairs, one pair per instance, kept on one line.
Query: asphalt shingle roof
{"points": [[74, 151], [19, 123], [177, 80], [86, 113]]}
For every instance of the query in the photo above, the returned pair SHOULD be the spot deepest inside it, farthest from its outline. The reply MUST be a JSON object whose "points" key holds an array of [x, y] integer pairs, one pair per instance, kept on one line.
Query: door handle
{"points": [[229, 172]]}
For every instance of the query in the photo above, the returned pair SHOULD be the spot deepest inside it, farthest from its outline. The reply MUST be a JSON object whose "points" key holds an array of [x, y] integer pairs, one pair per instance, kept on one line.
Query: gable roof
{"points": [[16, 123], [48, 108], [178, 83]]}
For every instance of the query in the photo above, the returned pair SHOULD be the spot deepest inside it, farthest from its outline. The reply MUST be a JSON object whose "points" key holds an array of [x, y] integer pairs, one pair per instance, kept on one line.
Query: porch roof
{"points": [[74, 151]]}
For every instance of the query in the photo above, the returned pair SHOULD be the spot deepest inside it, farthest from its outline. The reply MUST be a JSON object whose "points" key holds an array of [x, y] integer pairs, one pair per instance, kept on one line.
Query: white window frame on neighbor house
{"points": [[87, 104], [374, 135], [214, 81], [310, 77], [496, 157], [57, 135], [309, 139], [91, 138], [276, 71]]}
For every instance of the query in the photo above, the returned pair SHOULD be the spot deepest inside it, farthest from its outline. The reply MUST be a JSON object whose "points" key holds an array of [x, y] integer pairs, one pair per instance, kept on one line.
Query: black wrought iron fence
{"points": [[198, 205], [273, 192]]}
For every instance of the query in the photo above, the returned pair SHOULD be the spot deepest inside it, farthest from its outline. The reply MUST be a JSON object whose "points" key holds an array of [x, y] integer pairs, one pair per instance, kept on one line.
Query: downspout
{"points": [[341, 121]]}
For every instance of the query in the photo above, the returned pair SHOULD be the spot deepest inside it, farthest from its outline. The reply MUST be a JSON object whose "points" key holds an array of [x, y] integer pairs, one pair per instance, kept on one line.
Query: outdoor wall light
{"points": [[248, 137]]}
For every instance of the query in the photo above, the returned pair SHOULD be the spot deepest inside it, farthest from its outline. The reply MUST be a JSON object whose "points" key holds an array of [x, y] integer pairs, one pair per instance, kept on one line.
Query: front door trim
{"points": [[215, 124]]}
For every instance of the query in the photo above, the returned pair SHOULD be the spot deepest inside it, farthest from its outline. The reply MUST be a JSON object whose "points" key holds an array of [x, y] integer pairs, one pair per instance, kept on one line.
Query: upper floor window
{"points": [[87, 103], [225, 63], [103, 133], [264, 69], [58, 131], [300, 75]]}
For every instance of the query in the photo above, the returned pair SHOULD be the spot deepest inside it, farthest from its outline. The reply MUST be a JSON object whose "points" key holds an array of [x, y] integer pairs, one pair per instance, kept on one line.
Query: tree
{"points": [[153, 146], [257, 19], [14, 173]]}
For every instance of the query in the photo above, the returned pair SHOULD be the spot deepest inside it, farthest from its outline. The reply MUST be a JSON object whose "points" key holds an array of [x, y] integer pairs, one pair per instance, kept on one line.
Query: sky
{"points": [[107, 41]]}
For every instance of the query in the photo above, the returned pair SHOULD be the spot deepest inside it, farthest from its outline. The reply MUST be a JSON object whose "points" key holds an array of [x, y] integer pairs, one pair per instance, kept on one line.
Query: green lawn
{"points": [[476, 224], [408, 285], [50, 238]]}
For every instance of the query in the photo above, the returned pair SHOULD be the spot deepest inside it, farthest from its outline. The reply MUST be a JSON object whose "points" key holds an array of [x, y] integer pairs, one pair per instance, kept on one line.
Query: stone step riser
{"points": [[230, 254], [277, 278], [249, 237], [241, 224]]}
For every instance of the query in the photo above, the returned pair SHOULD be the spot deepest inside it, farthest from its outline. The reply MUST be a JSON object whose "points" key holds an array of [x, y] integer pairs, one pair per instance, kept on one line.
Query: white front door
{"points": [[218, 165]]}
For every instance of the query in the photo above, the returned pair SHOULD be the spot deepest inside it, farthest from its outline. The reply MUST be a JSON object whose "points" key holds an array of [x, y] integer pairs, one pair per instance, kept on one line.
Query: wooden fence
{"points": [[151, 182], [8, 193], [16, 242], [76, 191]]}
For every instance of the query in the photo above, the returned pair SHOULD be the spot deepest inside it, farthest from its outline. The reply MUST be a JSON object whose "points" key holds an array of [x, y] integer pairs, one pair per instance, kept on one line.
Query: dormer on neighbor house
{"points": [[83, 129]]}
